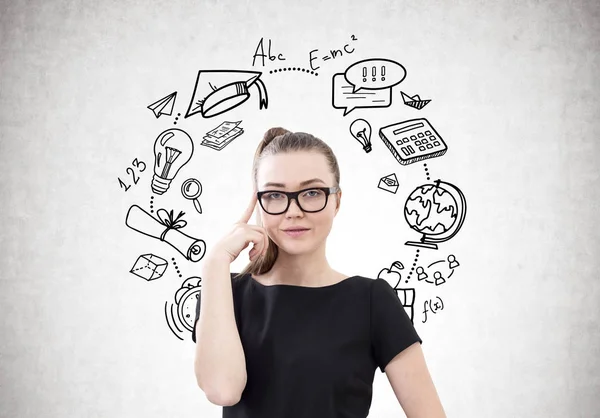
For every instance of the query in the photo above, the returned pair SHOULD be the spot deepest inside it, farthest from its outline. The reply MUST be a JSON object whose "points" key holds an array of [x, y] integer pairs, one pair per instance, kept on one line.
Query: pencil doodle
{"points": [[219, 137], [361, 131], [140, 166], [414, 101], [218, 91], [191, 189], [435, 210], [407, 297], [166, 228], [412, 140], [389, 183], [173, 149], [149, 267], [180, 313], [434, 307], [366, 84], [163, 106]]}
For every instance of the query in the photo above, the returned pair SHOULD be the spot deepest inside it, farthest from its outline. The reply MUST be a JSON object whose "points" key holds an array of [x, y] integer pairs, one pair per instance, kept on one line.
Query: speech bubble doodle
{"points": [[343, 96], [375, 74]]}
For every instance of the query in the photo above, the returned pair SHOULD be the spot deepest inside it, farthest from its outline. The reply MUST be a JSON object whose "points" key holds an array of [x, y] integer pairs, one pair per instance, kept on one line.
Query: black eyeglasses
{"points": [[314, 199]]}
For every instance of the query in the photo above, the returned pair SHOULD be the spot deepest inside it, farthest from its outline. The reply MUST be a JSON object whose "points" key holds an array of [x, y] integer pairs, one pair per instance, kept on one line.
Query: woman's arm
{"points": [[220, 364], [412, 384]]}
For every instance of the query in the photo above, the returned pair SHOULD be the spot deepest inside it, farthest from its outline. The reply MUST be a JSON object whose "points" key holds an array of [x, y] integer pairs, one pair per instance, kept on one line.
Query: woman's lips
{"points": [[295, 232]]}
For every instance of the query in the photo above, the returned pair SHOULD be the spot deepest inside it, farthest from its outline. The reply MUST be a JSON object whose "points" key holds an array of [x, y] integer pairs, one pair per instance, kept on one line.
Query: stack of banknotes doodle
{"points": [[222, 135]]}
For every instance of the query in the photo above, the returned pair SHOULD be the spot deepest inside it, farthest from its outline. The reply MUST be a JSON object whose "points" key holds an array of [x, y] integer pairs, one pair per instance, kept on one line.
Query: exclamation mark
{"points": [[374, 72], [383, 73], [364, 74]]}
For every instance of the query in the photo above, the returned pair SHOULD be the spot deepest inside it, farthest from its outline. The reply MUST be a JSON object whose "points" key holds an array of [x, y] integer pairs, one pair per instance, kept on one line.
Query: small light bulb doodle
{"points": [[361, 131], [173, 148], [191, 189]]}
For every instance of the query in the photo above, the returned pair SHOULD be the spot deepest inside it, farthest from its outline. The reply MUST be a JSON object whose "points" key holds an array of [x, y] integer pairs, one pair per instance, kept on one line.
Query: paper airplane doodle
{"points": [[217, 91], [164, 106], [414, 101]]}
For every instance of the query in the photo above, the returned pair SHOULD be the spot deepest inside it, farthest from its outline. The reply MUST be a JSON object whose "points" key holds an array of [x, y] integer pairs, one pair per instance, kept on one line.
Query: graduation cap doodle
{"points": [[217, 91]]}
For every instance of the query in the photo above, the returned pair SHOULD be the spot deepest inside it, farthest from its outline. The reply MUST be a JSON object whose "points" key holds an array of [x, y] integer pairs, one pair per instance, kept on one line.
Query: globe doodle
{"points": [[435, 210]]}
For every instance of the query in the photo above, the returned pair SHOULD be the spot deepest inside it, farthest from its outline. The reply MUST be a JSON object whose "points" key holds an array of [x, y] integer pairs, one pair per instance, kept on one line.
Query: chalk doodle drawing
{"points": [[413, 140], [389, 183], [437, 211], [149, 267], [191, 189], [218, 91], [173, 148], [366, 84], [361, 131], [180, 312], [164, 106], [166, 228]]}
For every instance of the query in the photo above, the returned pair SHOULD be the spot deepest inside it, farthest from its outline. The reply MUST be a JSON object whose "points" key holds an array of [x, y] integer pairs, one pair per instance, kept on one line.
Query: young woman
{"points": [[289, 336]]}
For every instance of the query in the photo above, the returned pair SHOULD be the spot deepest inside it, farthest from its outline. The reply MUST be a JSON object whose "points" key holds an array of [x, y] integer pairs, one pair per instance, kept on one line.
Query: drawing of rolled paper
{"points": [[217, 91], [166, 228]]}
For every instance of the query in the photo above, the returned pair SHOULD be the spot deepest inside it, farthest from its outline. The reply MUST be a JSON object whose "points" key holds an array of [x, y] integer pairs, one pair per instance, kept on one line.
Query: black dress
{"points": [[312, 352]]}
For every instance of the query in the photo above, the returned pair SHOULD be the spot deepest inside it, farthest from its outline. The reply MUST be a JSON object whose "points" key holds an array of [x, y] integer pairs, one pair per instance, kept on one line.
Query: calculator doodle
{"points": [[413, 140]]}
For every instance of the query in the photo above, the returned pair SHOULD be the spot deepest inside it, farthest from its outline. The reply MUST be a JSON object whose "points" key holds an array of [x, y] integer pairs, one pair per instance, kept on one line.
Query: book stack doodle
{"points": [[222, 135]]}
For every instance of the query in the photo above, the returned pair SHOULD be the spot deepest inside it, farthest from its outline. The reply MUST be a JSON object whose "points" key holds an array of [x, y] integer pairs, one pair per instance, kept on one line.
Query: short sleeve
{"points": [[233, 282], [392, 330]]}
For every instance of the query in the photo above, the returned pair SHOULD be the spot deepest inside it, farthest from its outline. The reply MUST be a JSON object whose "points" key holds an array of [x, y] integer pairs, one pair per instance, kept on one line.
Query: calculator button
{"points": [[429, 146], [411, 149], [424, 141], [413, 137], [420, 135], [436, 143], [417, 142], [432, 138], [421, 148], [405, 140], [405, 151], [427, 133]]}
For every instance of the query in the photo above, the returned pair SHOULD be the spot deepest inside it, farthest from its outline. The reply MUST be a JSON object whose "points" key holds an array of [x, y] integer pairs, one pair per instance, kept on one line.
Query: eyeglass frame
{"points": [[294, 196]]}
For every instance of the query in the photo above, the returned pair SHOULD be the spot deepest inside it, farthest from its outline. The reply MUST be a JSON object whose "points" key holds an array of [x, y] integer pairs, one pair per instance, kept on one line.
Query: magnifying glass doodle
{"points": [[191, 189]]}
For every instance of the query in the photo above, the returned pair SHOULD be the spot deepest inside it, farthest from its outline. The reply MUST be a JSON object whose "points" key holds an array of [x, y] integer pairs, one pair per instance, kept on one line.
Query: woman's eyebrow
{"points": [[302, 183]]}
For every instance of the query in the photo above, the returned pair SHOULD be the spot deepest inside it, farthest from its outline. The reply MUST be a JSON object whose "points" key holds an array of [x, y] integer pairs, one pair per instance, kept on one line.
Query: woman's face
{"points": [[290, 172]]}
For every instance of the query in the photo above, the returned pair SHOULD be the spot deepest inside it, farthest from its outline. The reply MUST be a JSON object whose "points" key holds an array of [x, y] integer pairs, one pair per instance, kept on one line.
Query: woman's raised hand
{"points": [[241, 235]]}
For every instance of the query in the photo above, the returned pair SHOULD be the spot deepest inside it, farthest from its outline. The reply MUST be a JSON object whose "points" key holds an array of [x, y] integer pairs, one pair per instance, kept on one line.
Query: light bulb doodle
{"points": [[361, 131], [191, 189], [173, 148]]}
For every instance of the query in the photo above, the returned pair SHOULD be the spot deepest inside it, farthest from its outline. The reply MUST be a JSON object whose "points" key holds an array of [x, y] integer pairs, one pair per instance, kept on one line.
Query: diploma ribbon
{"points": [[166, 218]]}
